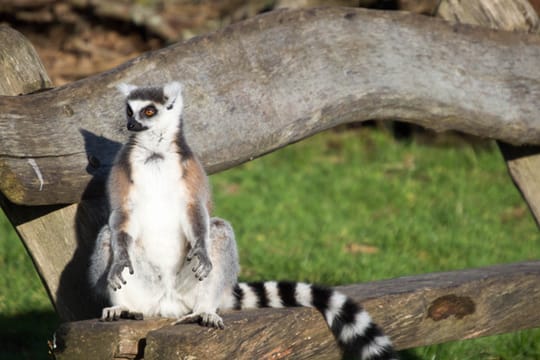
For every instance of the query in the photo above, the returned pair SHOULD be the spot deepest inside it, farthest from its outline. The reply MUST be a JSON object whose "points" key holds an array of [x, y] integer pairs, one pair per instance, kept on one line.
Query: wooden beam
{"points": [[261, 84], [414, 311]]}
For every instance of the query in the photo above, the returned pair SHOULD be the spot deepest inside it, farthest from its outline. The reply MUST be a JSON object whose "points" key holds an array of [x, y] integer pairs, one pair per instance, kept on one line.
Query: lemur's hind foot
{"points": [[204, 319], [114, 313]]}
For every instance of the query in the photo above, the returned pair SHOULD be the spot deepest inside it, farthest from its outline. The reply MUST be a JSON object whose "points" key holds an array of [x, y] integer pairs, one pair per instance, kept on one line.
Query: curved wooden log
{"points": [[264, 83]]}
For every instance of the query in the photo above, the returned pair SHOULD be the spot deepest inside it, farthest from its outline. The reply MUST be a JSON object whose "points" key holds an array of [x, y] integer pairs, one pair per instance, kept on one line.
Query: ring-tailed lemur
{"points": [[162, 255]]}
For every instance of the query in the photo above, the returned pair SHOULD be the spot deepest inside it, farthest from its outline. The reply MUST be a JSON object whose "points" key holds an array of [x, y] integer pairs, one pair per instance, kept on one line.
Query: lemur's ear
{"points": [[173, 94], [126, 89]]}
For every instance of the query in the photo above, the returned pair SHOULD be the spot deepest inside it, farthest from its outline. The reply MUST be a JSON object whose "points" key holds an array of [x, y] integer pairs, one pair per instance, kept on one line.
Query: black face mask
{"points": [[134, 125]]}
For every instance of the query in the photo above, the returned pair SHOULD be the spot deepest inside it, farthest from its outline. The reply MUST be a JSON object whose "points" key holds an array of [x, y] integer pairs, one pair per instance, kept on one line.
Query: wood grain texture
{"points": [[414, 311], [523, 162], [94, 339], [261, 84], [508, 15]]}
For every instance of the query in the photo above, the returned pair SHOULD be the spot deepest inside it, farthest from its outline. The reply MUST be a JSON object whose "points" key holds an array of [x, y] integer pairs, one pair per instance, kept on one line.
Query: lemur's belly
{"points": [[160, 238], [160, 201], [152, 294], [158, 226]]}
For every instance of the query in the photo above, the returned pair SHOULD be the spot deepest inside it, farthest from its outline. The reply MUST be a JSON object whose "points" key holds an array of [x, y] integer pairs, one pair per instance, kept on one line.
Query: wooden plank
{"points": [[414, 311], [261, 84], [523, 162]]}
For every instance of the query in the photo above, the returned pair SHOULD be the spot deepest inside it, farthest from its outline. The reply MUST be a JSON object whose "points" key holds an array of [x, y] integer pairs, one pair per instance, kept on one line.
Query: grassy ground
{"points": [[340, 208], [27, 319]]}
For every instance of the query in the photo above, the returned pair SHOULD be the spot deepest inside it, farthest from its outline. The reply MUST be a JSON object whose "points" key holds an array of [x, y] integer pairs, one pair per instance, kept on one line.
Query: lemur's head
{"points": [[157, 108]]}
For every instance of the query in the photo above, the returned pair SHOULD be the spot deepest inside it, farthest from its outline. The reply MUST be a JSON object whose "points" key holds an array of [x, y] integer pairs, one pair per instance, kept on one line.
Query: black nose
{"points": [[134, 125]]}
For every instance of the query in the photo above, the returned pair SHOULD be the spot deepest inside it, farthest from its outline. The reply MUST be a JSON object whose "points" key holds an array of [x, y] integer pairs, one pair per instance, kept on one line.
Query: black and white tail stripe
{"points": [[356, 333]]}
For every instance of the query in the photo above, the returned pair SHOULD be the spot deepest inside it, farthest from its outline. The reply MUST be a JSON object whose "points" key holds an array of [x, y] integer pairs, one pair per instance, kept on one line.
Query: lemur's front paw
{"points": [[204, 266], [115, 279]]}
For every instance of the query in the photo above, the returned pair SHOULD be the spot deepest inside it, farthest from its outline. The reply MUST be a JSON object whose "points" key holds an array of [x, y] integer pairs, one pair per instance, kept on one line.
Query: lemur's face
{"points": [[153, 107], [142, 115]]}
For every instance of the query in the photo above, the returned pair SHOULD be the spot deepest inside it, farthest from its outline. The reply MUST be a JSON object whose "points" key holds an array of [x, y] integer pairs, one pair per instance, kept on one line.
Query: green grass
{"points": [[345, 207], [27, 318]]}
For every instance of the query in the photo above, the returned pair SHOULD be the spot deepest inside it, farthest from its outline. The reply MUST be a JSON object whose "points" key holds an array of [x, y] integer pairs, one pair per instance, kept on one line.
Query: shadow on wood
{"points": [[75, 299]]}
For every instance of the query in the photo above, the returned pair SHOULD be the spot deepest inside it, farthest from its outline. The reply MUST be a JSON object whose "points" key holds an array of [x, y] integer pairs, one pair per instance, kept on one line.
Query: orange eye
{"points": [[150, 111]]}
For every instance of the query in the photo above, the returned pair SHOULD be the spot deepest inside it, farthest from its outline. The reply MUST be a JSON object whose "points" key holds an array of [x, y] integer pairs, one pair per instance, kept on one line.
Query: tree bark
{"points": [[414, 311], [262, 84]]}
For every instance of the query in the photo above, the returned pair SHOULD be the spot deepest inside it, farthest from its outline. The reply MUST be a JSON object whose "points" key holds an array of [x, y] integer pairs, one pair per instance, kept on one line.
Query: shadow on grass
{"points": [[25, 336]]}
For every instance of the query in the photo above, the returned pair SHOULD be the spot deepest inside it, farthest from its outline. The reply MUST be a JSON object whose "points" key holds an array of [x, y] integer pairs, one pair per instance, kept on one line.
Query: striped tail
{"points": [[358, 336]]}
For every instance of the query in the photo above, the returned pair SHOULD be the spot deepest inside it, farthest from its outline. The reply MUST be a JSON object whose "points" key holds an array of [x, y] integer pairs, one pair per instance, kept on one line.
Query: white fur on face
{"points": [[162, 121]]}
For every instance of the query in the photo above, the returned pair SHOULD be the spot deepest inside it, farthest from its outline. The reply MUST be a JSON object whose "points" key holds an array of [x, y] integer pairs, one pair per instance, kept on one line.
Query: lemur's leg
{"points": [[199, 239], [120, 241], [224, 256], [100, 261]]}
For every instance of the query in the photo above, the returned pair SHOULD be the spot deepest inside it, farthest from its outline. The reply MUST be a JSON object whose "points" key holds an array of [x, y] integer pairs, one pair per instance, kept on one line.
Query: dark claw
{"points": [[115, 277], [204, 266]]}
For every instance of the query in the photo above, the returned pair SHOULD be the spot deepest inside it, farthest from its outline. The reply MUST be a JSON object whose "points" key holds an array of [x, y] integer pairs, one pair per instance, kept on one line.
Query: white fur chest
{"points": [[158, 202]]}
